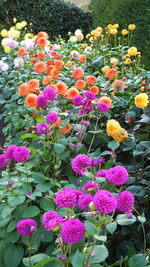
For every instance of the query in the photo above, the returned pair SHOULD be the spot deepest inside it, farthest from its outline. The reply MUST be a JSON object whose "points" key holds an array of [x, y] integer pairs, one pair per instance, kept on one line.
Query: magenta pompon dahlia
{"points": [[26, 227], [103, 107], [117, 175], [9, 152], [91, 186], [80, 163], [51, 219], [21, 153], [51, 117], [42, 101], [49, 93], [66, 198], [3, 161], [72, 231], [125, 202], [101, 173], [84, 201], [105, 202], [43, 128]]}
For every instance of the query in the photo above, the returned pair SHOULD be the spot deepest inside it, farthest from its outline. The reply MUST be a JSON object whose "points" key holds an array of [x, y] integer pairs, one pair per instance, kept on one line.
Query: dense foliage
{"points": [[75, 164], [53, 16], [126, 12]]}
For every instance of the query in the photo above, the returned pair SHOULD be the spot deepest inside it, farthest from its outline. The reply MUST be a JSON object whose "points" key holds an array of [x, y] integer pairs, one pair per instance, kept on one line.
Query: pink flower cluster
{"points": [[19, 154]]}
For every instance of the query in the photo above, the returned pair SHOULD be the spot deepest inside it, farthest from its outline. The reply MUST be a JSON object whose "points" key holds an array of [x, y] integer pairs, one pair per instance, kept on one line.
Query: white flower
{"points": [[73, 39], [78, 32], [74, 54], [5, 67]]}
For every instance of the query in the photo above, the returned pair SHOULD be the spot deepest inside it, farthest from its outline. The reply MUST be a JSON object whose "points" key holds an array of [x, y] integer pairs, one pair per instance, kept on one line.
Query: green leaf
{"points": [[113, 144], [13, 256], [100, 254], [4, 221], [11, 226], [78, 259], [16, 200], [101, 237], [142, 218], [91, 228], [111, 227], [43, 262], [59, 148], [12, 237], [124, 220], [30, 212], [138, 260], [46, 204], [34, 259]]}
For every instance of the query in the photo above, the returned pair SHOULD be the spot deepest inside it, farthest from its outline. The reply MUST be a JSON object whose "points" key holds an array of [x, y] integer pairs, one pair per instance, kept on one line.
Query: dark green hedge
{"points": [[126, 12], [53, 16]]}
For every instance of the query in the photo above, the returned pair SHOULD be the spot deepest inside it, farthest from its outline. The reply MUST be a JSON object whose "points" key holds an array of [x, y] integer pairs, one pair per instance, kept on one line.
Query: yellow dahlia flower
{"points": [[128, 61], [113, 31], [19, 26], [7, 49], [99, 29], [131, 27], [121, 135], [105, 69], [4, 33], [116, 26], [132, 51], [112, 127], [14, 20], [124, 32], [113, 61], [141, 100]]}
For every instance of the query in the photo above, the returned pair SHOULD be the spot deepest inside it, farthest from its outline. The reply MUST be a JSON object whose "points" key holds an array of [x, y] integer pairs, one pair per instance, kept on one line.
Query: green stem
{"points": [[143, 229], [29, 247], [94, 243]]}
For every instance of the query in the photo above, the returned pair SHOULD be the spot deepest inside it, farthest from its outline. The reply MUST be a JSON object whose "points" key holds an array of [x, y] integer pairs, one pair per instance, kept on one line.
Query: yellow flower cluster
{"points": [[93, 35], [114, 130], [132, 51], [141, 100], [14, 32]]}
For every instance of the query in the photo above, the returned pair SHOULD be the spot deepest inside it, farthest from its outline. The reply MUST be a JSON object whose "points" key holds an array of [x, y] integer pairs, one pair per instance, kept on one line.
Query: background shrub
{"points": [[126, 12], [53, 16]]}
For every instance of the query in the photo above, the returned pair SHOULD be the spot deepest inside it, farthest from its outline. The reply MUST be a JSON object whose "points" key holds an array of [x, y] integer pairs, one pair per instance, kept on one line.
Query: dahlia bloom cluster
{"points": [[49, 94], [19, 154]]}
